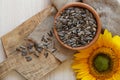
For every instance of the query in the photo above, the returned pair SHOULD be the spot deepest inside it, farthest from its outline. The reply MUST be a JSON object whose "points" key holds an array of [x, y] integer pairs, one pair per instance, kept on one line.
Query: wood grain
{"points": [[32, 70]]}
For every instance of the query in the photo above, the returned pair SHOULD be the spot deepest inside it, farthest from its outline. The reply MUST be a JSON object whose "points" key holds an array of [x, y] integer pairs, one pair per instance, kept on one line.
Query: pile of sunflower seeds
{"points": [[76, 27], [31, 47]]}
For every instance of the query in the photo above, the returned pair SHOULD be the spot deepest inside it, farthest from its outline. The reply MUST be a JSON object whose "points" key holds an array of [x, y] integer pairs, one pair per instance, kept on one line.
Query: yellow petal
{"points": [[116, 41], [109, 79], [99, 42], [79, 66], [80, 69], [116, 76], [82, 55], [79, 60], [82, 74], [94, 46], [107, 38], [107, 34], [88, 77], [89, 49]]}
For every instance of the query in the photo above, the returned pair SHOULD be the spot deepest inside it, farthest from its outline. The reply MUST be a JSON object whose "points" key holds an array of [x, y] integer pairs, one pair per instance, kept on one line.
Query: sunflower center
{"points": [[102, 62]]}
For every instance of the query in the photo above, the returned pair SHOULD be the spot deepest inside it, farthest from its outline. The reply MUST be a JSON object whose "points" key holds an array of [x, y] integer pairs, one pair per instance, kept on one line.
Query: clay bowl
{"points": [[96, 16]]}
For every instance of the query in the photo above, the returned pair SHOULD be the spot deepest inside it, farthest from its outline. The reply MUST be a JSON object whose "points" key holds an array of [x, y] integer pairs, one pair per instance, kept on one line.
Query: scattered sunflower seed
{"points": [[36, 54], [28, 58], [46, 54], [30, 51], [22, 47], [18, 49], [30, 45], [44, 39], [24, 52], [49, 39], [50, 34], [39, 49], [54, 50]]}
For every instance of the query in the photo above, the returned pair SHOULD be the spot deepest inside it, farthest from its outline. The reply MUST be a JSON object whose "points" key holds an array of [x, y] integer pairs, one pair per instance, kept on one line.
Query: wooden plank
{"points": [[32, 70], [14, 38]]}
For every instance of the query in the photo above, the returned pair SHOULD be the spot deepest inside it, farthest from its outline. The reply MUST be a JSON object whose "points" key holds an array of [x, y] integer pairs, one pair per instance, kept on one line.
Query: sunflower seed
{"points": [[22, 47], [24, 52], [28, 58], [46, 54], [53, 50], [39, 49], [18, 49], [89, 38], [81, 33], [36, 54], [50, 34], [49, 39], [94, 29], [30, 51], [30, 45], [43, 39], [38, 45]]}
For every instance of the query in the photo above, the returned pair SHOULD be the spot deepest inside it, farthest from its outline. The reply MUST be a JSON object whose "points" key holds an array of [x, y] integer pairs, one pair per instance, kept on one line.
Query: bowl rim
{"points": [[95, 14]]}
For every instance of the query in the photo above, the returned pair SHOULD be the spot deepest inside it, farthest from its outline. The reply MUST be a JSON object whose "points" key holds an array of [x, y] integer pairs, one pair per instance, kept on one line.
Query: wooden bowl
{"points": [[96, 16]]}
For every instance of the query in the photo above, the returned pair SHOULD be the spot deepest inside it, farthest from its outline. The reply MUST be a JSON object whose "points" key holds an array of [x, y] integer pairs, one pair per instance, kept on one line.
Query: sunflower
{"points": [[101, 61]]}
